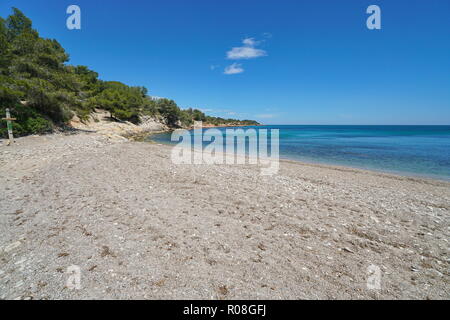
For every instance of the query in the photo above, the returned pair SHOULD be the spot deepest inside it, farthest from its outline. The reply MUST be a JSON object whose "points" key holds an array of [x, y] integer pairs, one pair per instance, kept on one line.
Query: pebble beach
{"points": [[140, 227]]}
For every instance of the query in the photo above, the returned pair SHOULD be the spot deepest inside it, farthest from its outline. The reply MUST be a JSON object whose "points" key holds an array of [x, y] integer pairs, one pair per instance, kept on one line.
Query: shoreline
{"points": [[141, 227], [151, 126], [144, 136], [400, 174]]}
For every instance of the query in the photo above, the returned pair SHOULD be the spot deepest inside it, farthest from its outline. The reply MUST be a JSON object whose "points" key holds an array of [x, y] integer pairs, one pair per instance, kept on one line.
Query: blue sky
{"points": [[293, 62]]}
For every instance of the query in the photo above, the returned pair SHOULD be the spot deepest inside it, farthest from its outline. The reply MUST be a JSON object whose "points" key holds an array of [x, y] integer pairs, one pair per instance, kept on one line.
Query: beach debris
{"points": [[223, 290], [106, 252], [347, 250], [262, 247]]}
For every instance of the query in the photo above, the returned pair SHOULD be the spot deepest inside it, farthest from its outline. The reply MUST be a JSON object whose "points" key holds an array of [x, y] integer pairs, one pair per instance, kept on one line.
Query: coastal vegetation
{"points": [[44, 92]]}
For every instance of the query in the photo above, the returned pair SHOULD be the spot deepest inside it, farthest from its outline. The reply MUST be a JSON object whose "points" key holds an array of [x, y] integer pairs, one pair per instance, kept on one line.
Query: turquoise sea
{"points": [[408, 150]]}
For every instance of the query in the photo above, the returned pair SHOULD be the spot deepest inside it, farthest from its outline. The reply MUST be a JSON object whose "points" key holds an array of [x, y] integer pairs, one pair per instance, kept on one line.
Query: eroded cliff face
{"points": [[101, 122]]}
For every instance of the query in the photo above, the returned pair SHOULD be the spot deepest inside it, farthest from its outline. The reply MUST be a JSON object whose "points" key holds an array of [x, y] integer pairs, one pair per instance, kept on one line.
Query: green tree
{"points": [[122, 101], [169, 110], [18, 24], [197, 115], [5, 55]]}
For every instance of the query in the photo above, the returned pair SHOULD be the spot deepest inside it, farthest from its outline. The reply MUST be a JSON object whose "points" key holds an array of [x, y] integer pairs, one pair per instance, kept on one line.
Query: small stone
{"points": [[414, 269], [12, 246]]}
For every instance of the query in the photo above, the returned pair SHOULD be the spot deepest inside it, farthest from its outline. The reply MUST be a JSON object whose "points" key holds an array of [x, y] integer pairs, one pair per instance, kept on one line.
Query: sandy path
{"points": [[139, 226]]}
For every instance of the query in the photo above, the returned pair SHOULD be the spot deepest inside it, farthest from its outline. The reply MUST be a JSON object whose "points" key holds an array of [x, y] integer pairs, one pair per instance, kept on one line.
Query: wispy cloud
{"points": [[251, 42], [247, 51], [234, 68]]}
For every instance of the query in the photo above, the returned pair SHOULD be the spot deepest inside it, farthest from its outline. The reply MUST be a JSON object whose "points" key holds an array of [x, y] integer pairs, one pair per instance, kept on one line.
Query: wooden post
{"points": [[9, 125]]}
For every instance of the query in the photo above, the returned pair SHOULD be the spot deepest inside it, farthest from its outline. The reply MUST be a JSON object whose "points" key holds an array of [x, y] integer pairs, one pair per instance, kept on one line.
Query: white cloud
{"points": [[251, 42], [247, 51], [234, 68]]}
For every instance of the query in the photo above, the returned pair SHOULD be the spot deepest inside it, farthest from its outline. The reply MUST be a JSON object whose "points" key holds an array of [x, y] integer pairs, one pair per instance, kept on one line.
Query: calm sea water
{"points": [[410, 150]]}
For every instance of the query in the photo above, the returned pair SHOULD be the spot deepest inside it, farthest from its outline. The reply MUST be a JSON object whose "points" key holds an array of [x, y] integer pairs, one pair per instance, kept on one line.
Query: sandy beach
{"points": [[140, 227]]}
